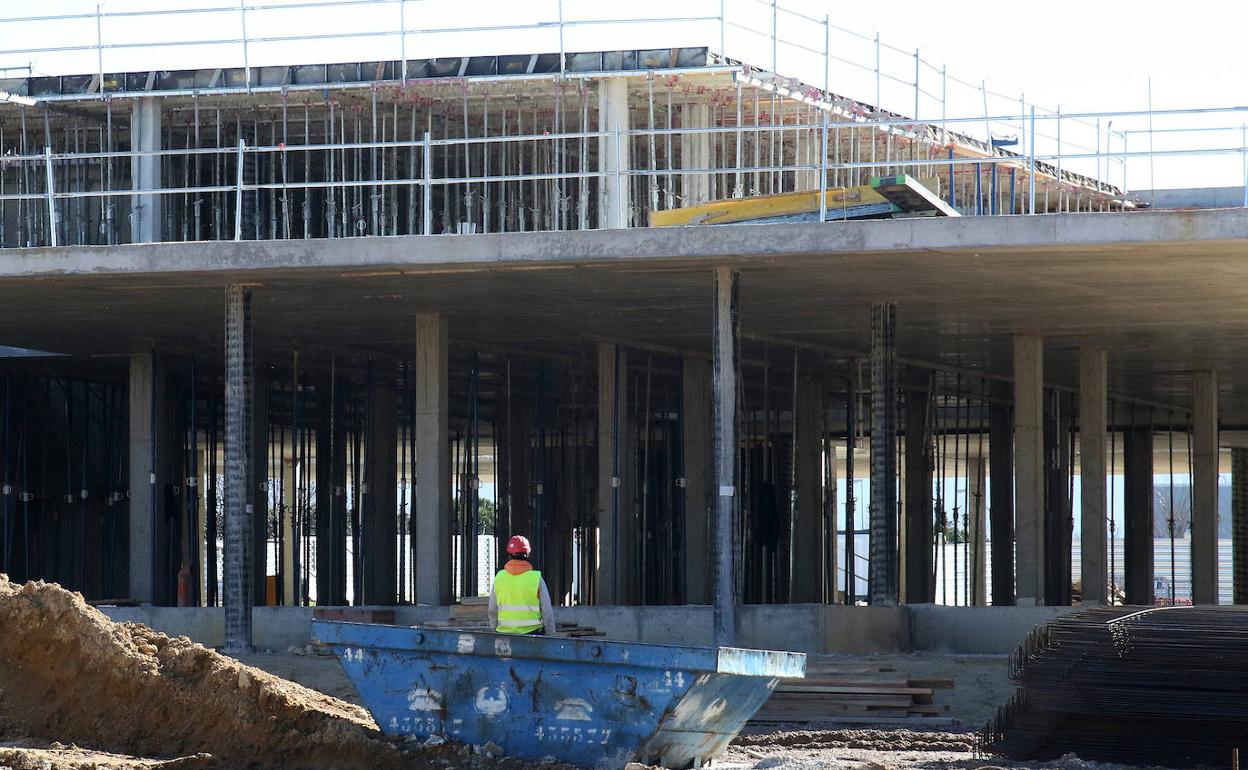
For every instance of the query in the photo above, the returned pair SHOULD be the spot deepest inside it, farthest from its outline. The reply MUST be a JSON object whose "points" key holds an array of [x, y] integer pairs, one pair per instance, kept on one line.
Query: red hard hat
{"points": [[518, 544]]}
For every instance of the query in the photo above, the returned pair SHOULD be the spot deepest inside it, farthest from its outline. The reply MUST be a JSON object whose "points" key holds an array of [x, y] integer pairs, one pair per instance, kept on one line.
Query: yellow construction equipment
{"points": [[897, 195]]}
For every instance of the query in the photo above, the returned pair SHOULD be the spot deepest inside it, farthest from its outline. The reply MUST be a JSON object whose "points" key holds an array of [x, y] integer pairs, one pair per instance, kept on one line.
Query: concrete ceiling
{"points": [[1166, 293]]}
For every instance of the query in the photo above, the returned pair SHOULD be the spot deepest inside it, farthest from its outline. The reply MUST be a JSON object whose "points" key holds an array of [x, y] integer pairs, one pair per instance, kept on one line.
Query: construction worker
{"points": [[520, 601]]}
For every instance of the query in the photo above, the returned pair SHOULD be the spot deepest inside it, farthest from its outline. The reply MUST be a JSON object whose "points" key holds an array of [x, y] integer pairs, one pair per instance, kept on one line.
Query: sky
{"points": [[1080, 56]]}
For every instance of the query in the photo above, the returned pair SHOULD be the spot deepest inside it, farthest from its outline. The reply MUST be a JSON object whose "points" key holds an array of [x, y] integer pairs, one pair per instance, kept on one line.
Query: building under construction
{"points": [[323, 334]]}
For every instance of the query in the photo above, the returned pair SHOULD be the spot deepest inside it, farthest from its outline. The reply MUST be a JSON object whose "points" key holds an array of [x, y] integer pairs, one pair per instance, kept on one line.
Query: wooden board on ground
{"points": [[856, 693]]}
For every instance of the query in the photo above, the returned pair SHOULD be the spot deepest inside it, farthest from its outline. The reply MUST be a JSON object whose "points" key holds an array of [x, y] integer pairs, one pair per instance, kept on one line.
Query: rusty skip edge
{"points": [[724, 660]]}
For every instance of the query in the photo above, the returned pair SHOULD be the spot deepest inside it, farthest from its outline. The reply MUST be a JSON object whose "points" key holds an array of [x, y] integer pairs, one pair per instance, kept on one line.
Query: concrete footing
{"points": [[810, 628]]}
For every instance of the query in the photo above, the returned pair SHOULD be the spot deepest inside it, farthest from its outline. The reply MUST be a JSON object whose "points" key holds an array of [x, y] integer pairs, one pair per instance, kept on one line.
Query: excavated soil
{"points": [[69, 674], [23, 755]]}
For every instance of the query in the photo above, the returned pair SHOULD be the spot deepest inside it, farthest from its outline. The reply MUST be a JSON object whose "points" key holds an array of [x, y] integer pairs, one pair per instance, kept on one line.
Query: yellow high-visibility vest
{"points": [[519, 609]]}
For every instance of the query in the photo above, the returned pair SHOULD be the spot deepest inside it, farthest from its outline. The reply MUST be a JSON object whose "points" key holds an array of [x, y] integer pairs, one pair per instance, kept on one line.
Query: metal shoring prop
{"points": [[192, 486], [299, 461], [212, 533], [281, 510], [1170, 513], [411, 455], [403, 460], [1113, 527], [646, 457], [1070, 491], [26, 495], [932, 422], [981, 489], [485, 164], [851, 439], [6, 530], [1191, 486], [792, 480], [967, 510], [957, 475]]}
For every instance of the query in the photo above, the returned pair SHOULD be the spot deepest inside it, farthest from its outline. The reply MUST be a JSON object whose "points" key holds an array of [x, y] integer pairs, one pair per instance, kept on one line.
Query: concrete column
{"points": [[1204, 440], [1093, 438], [613, 499], [695, 152], [883, 580], [289, 570], [920, 584], [1029, 469], [1239, 523], [976, 521], [145, 389], [382, 515], [1137, 446], [433, 461], [145, 120], [613, 152], [1001, 503], [238, 519], [725, 321], [809, 531], [696, 430]]}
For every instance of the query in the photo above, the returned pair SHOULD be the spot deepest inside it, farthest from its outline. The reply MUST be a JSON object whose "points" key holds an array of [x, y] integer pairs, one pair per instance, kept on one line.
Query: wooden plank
{"points": [[863, 720], [859, 690]]}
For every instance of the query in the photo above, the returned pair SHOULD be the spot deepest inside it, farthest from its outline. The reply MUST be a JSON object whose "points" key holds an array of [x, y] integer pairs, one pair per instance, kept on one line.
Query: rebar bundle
{"points": [[1139, 685]]}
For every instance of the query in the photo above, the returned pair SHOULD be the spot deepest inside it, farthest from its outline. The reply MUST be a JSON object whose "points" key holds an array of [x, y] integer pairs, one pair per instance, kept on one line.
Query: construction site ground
{"points": [[78, 691]]}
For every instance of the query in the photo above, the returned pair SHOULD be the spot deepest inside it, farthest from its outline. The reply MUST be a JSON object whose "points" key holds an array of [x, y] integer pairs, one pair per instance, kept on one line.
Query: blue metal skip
{"points": [[589, 702]]}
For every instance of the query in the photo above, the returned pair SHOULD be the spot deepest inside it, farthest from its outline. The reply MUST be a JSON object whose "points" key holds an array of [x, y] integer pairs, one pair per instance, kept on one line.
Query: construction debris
{"points": [[70, 674], [1150, 686], [873, 694]]}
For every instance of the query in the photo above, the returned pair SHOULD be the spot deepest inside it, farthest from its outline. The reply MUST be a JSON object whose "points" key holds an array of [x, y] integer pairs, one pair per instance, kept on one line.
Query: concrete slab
{"points": [[963, 286]]}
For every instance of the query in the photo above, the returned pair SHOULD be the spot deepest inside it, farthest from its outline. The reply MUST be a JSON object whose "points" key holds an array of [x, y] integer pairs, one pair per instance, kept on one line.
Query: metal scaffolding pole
{"points": [[238, 511]]}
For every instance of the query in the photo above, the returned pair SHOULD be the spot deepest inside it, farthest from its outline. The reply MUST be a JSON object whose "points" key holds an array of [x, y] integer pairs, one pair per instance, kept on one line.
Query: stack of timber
{"points": [[856, 693], [471, 614]]}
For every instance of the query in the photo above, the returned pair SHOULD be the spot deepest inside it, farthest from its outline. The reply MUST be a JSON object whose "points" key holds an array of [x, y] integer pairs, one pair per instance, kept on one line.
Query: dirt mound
{"points": [[70, 674], [27, 756]]}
